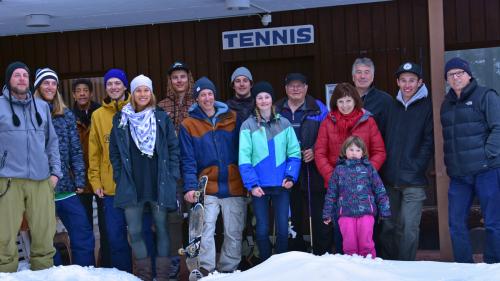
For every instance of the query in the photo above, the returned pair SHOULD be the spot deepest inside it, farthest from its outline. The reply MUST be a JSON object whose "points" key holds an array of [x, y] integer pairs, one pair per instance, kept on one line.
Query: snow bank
{"points": [[298, 266], [70, 273]]}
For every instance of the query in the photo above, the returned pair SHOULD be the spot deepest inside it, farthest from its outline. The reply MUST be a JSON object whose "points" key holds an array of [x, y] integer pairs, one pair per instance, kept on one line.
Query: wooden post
{"points": [[436, 43]]}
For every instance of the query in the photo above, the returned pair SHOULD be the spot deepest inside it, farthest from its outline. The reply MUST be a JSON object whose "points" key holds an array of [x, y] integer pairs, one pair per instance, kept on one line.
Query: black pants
{"points": [[322, 234], [86, 199]]}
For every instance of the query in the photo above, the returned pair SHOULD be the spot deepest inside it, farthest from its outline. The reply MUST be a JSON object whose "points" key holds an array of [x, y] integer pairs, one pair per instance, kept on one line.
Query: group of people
{"points": [[354, 168]]}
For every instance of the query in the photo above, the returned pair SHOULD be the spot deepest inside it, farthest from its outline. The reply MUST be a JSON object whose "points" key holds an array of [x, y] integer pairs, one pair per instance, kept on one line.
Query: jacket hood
{"points": [[421, 93], [111, 105], [196, 112], [352, 162]]}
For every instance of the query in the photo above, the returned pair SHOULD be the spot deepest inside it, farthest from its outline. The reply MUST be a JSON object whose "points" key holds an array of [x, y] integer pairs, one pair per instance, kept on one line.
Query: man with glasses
{"points": [[470, 116], [306, 113]]}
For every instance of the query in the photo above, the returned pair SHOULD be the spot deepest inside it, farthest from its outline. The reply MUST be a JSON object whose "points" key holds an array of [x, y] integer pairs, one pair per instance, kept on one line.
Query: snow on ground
{"points": [[298, 266], [69, 273], [295, 266]]}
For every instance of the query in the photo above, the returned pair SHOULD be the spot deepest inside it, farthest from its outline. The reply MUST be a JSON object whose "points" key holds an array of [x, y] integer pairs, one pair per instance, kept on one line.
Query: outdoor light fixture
{"points": [[237, 4], [37, 20]]}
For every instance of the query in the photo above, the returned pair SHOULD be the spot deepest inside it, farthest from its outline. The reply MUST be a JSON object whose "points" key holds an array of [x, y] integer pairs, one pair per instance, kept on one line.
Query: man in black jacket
{"points": [[409, 146], [470, 116], [242, 102], [374, 100], [306, 113]]}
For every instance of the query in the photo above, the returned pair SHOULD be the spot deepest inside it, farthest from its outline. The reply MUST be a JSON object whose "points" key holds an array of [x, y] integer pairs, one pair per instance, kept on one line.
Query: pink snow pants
{"points": [[357, 235]]}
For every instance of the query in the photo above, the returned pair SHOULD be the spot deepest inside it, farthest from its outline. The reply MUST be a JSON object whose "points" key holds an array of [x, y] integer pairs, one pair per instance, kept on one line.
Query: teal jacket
{"points": [[268, 153]]}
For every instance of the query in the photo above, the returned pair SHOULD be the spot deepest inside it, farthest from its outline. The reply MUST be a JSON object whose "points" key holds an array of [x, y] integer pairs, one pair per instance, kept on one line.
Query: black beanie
{"points": [[10, 69], [262, 86]]}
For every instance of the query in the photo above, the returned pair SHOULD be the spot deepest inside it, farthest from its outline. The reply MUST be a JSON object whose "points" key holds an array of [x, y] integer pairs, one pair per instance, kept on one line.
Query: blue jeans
{"points": [[461, 193], [280, 199], [81, 236], [138, 223], [116, 228]]}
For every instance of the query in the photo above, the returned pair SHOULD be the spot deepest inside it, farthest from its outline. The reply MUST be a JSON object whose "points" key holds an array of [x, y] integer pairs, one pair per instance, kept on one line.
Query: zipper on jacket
{"points": [[4, 158]]}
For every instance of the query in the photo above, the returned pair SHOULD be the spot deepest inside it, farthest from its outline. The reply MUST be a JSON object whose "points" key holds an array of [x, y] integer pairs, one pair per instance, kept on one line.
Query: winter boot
{"points": [[143, 269], [162, 268]]}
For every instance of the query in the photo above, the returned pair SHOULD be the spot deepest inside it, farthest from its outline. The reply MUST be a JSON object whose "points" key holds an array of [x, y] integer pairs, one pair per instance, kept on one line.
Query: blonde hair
{"points": [[259, 116], [356, 141], [58, 104], [152, 101]]}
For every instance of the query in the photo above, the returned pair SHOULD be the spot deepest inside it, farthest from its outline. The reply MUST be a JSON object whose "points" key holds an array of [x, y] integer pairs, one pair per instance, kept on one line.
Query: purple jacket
{"points": [[355, 189]]}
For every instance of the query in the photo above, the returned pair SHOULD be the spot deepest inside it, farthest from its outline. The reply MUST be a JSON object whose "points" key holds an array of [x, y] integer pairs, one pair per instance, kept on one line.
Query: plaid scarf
{"points": [[142, 127]]}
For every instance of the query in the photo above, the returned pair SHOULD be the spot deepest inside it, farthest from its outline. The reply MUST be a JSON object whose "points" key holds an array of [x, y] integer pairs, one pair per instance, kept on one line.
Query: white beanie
{"points": [[141, 80]]}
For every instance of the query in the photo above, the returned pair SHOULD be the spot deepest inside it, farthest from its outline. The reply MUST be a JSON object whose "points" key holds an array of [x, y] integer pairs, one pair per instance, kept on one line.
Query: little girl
{"points": [[354, 192]]}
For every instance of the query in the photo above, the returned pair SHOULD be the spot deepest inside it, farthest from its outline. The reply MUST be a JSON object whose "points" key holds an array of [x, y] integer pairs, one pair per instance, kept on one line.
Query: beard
{"points": [[17, 91]]}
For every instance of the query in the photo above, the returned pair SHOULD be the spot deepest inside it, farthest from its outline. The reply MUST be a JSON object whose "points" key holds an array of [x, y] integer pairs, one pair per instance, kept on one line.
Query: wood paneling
{"points": [[388, 32], [471, 24]]}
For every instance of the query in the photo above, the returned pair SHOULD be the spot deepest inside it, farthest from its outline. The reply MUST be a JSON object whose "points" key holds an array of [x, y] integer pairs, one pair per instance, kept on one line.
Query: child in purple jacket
{"points": [[354, 193]]}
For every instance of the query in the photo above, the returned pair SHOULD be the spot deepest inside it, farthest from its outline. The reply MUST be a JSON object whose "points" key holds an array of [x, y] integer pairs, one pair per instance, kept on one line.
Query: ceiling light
{"points": [[237, 4], [37, 20]]}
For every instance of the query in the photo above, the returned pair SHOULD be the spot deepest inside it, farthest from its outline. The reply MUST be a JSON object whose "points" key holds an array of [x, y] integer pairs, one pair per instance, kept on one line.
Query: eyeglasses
{"points": [[296, 86], [457, 74]]}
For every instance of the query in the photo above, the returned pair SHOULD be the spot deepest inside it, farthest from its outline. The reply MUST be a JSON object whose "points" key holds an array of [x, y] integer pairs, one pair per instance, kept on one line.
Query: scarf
{"points": [[142, 127], [345, 122]]}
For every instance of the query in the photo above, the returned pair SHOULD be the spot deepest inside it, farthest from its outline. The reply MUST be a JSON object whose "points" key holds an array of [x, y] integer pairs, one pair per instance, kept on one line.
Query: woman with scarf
{"points": [[346, 118], [144, 153], [68, 206]]}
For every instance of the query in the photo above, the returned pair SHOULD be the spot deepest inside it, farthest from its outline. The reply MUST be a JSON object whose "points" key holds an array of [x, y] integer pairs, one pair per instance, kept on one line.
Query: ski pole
{"points": [[309, 203]]}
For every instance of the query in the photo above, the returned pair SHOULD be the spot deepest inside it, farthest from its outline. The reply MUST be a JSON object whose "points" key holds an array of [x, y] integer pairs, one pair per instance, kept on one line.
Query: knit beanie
{"points": [[116, 73], [241, 71], [141, 80], [11, 68], [457, 63], [203, 84], [43, 74], [262, 86]]}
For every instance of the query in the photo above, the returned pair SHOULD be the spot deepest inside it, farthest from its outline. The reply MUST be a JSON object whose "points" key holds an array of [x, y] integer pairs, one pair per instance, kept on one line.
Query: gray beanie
{"points": [[241, 71]]}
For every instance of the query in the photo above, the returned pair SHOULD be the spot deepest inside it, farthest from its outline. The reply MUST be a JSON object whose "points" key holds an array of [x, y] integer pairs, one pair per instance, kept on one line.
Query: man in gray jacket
{"points": [[29, 169]]}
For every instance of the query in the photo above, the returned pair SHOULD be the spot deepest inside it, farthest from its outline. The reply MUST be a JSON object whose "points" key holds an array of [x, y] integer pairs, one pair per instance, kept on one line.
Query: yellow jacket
{"points": [[100, 171]]}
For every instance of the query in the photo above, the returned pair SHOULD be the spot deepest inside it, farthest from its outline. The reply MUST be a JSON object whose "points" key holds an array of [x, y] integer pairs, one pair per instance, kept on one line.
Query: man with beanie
{"points": [[30, 168], [242, 102], [100, 172], [470, 116], [409, 143], [306, 113], [176, 103], [209, 147]]}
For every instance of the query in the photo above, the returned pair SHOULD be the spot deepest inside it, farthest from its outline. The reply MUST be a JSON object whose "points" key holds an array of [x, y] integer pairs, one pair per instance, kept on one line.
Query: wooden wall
{"points": [[388, 32], [470, 24]]}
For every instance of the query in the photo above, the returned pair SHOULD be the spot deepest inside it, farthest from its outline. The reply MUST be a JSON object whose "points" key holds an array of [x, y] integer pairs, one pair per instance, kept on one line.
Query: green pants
{"points": [[36, 199]]}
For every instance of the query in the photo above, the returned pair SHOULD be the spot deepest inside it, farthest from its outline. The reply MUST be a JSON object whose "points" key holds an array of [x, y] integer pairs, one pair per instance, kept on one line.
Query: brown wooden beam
{"points": [[436, 44]]}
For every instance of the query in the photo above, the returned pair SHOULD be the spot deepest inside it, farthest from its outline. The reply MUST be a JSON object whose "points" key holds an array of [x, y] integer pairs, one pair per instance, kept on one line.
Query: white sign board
{"points": [[267, 37], [328, 94]]}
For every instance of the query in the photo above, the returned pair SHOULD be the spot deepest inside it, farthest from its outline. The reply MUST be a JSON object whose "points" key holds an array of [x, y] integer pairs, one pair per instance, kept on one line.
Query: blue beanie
{"points": [[203, 84], [116, 73], [457, 63]]}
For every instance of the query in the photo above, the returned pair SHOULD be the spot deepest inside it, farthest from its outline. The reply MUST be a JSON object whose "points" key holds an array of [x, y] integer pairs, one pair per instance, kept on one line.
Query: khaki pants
{"points": [[36, 199]]}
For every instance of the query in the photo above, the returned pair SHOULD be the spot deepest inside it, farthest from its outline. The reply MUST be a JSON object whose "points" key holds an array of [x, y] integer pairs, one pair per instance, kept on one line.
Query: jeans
{"points": [[280, 199], [86, 199], [136, 222], [233, 215], [461, 193], [81, 236], [399, 234], [116, 228]]}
